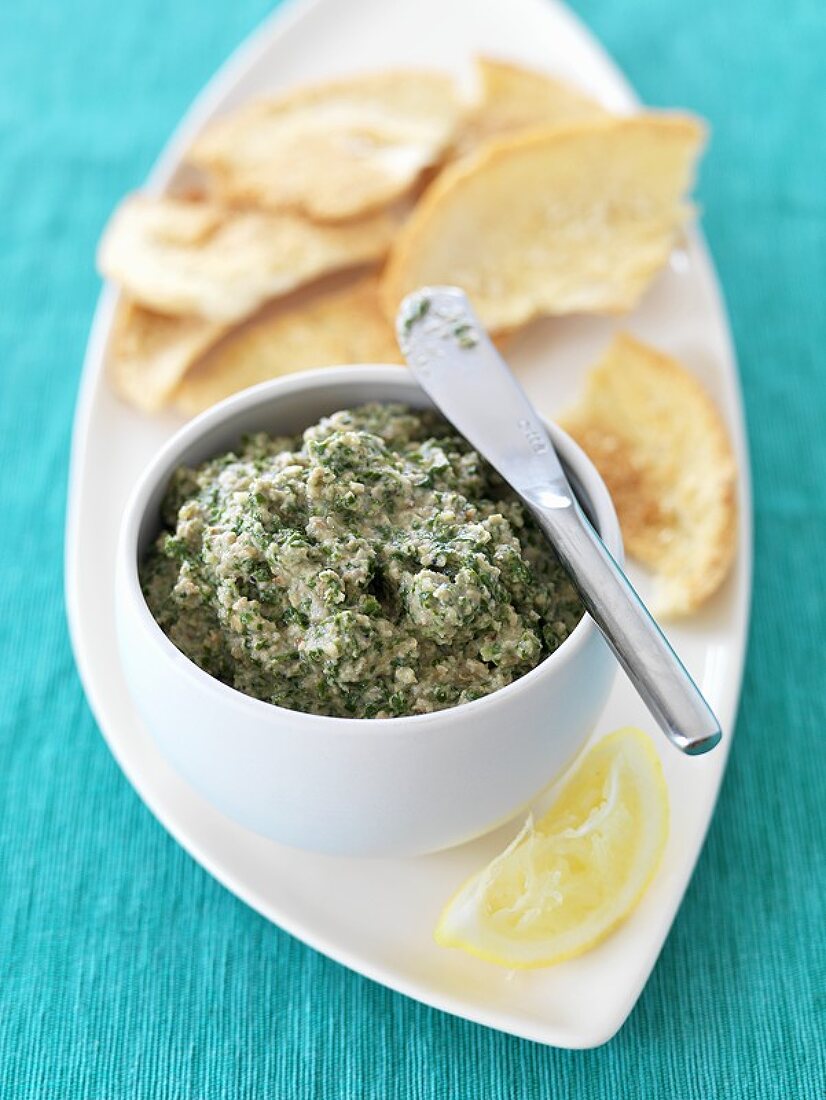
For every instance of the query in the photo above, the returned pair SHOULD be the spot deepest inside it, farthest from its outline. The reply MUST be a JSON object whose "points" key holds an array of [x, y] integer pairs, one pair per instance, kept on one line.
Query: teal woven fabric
{"points": [[125, 970]]}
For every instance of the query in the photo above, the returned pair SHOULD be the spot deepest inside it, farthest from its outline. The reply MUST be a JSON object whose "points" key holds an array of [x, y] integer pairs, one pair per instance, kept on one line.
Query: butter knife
{"points": [[456, 363]]}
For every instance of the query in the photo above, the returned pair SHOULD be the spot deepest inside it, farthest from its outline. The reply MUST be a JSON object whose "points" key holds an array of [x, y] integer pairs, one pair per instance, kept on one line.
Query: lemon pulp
{"points": [[568, 879]]}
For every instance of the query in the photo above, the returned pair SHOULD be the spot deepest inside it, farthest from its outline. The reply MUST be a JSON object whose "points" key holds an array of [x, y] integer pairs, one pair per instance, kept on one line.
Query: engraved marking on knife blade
{"points": [[535, 436]]}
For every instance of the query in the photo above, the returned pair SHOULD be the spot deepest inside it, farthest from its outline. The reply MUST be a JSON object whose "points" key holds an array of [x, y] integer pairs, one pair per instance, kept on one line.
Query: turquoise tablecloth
{"points": [[125, 971]]}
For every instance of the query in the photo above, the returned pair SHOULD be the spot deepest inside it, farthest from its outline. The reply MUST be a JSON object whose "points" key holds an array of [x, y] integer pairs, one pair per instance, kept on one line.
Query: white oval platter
{"points": [[377, 916]]}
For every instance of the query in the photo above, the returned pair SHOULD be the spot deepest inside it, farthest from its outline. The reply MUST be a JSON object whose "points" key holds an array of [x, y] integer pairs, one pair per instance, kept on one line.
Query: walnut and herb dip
{"points": [[374, 567]]}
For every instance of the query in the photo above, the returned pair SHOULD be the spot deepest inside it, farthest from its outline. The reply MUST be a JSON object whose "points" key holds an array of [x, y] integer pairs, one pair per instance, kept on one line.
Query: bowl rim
{"points": [[169, 455]]}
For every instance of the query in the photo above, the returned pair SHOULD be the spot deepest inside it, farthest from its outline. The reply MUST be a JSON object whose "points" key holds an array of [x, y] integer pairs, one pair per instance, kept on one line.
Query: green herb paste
{"points": [[373, 567]]}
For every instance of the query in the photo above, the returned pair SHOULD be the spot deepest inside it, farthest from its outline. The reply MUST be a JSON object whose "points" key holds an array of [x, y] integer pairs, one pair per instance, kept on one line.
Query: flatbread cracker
{"points": [[346, 326], [513, 99], [335, 150], [575, 219], [657, 439], [200, 258], [149, 353]]}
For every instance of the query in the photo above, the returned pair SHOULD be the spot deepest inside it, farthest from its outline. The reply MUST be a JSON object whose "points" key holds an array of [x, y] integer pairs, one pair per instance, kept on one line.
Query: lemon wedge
{"points": [[567, 880]]}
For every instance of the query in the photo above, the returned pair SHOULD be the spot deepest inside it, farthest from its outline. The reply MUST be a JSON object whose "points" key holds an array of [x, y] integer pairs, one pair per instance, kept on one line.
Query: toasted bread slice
{"points": [[574, 219], [334, 150], [659, 442], [204, 259], [345, 326]]}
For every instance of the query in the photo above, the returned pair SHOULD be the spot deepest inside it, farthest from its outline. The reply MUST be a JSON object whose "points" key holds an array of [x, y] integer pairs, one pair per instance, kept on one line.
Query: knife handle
{"points": [[639, 645]]}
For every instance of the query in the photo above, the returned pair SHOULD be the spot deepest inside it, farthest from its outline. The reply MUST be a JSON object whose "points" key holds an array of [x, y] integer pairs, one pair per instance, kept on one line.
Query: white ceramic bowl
{"points": [[397, 786]]}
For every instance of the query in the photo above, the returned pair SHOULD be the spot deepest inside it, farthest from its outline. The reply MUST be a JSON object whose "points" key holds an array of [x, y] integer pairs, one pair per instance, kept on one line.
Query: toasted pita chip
{"points": [[575, 219], [513, 99], [663, 451], [149, 353], [333, 150], [199, 258], [346, 326]]}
